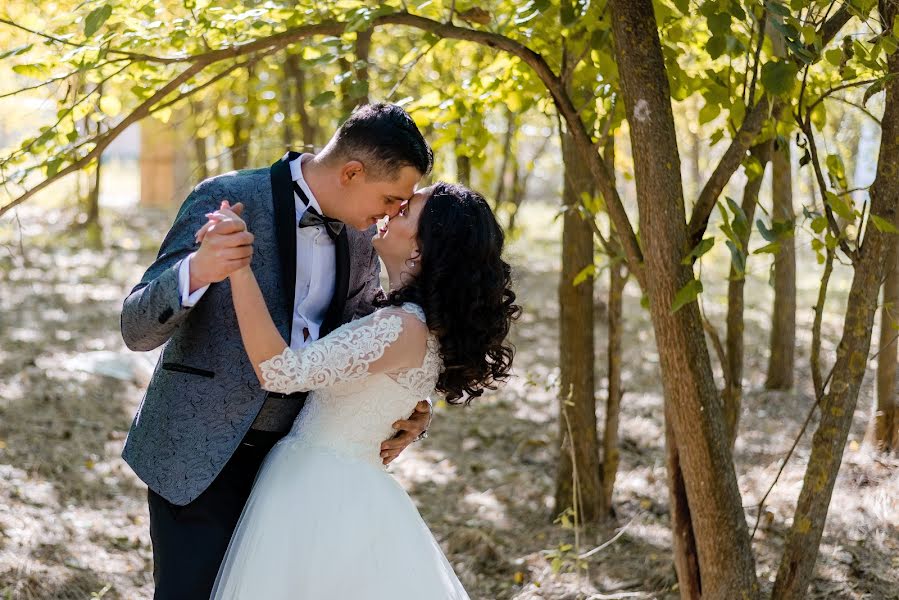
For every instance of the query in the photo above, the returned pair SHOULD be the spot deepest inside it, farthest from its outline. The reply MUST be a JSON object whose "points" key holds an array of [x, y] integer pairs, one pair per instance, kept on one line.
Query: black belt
{"points": [[278, 412]]}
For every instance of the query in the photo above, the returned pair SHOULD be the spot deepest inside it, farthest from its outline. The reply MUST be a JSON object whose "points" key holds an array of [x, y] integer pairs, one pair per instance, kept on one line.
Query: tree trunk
{"points": [[781, 362], [92, 209], [577, 480], [698, 438], [733, 391], [886, 418], [354, 86], [617, 281], [781, 359], [242, 125], [463, 168], [507, 150], [298, 77], [838, 405]]}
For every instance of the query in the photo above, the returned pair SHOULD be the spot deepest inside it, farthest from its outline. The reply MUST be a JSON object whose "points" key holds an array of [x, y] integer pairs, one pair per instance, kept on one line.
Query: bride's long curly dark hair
{"points": [[464, 287]]}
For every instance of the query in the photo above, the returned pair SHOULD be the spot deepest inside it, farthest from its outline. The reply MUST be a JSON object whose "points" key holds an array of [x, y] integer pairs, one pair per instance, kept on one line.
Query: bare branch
{"points": [[815, 358]]}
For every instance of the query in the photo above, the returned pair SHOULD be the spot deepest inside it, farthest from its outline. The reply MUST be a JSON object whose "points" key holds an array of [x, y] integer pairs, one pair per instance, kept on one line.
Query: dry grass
{"points": [[73, 520]]}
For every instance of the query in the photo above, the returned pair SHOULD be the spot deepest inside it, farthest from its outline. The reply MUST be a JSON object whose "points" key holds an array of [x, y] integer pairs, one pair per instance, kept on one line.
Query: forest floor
{"points": [[73, 518]]}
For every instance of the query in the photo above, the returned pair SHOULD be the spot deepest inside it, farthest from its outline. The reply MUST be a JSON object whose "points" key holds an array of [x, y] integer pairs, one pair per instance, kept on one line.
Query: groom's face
{"points": [[368, 199]]}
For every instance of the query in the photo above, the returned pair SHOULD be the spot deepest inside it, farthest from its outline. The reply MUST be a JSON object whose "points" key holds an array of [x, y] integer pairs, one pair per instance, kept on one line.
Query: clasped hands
{"points": [[226, 246]]}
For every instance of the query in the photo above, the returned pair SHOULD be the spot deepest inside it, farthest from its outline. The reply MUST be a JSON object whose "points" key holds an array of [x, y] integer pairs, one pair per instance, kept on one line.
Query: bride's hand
{"points": [[233, 217]]}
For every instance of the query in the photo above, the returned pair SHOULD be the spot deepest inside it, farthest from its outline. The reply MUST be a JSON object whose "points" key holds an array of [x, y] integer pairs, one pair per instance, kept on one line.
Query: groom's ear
{"points": [[351, 171]]}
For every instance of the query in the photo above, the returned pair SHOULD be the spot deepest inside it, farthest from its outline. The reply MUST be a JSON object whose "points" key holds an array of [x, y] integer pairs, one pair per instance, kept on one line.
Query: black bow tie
{"points": [[311, 218]]}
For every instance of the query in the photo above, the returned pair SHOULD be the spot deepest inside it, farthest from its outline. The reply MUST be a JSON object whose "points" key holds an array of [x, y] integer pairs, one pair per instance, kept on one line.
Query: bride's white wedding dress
{"points": [[325, 520]]}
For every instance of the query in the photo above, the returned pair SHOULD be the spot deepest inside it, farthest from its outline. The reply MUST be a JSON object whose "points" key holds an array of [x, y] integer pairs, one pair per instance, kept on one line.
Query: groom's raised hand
{"points": [[225, 246]]}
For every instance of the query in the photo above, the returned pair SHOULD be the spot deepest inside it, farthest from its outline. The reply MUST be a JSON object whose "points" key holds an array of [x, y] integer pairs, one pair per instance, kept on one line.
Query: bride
{"points": [[325, 520]]}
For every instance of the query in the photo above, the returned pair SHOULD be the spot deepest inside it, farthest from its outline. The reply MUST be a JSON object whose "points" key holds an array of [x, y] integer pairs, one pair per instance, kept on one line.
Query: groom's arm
{"points": [[154, 308]]}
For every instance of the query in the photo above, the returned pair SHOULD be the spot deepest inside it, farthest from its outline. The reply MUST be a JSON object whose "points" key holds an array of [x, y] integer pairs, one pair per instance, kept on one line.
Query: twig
{"points": [[132, 55], [408, 69], [608, 543], [815, 357], [808, 418]]}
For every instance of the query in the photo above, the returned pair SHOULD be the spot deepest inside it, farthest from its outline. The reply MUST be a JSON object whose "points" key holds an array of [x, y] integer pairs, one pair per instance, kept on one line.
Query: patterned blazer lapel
{"points": [[285, 225]]}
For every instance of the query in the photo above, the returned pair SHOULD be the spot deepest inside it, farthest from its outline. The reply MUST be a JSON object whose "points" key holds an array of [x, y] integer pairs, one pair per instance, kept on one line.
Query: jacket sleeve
{"points": [[153, 309]]}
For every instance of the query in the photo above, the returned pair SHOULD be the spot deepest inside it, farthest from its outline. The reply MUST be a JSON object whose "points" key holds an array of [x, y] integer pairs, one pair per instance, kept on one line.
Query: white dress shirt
{"points": [[316, 269]]}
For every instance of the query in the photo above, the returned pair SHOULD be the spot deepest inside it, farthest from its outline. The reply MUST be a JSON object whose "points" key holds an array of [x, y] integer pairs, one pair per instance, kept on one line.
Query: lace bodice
{"points": [[363, 377]]}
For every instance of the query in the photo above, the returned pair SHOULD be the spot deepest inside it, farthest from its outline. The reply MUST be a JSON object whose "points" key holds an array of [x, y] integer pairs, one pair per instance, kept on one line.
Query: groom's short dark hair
{"points": [[384, 138]]}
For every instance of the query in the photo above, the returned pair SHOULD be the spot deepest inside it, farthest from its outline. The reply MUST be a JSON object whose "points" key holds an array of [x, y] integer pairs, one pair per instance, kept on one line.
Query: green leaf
{"points": [[840, 206], [686, 294], [834, 56], [588, 272], [708, 113], [740, 223], [836, 169], [872, 90], [772, 248], [716, 46], [737, 257], [323, 98], [768, 234], [698, 250], [819, 224], [883, 225], [35, 71], [95, 19], [779, 76]]}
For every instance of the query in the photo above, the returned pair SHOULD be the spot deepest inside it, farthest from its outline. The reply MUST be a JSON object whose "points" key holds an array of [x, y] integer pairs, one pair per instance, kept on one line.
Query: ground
{"points": [[73, 518]]}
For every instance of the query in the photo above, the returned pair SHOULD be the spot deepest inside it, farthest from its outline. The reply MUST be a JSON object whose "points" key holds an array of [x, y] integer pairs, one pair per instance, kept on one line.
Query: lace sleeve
{"points": [[354, 351]]}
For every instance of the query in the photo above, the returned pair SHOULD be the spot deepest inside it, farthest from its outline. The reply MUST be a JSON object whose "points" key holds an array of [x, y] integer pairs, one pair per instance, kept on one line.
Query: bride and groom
{"points": [[263, 434]]}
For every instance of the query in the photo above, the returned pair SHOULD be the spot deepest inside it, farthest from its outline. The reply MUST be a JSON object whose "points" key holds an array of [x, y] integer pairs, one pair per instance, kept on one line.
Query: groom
{"points": [[204, 425]]}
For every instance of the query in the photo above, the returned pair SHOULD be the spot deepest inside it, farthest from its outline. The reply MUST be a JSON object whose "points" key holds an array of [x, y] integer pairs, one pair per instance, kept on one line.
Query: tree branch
{"points": [[751, 126]]}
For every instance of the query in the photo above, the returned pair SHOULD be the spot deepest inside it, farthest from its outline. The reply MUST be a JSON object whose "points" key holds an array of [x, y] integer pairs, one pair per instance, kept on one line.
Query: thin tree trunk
{"points": [[703, 473], [287, 103], [781, 362], [307, 125], [617, 281], [363, 48], [92, 224], [577, 480], [463, 168], [781, 358], [242, 126], [507, 150], [886, 417], [733, 392], [838, 405]]}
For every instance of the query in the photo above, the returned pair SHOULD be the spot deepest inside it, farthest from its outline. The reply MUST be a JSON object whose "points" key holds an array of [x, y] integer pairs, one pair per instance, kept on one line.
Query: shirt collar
{"points": [[296, 174]]}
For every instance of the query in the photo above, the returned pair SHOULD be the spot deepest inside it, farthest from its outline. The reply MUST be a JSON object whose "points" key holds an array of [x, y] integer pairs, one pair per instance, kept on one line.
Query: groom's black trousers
{"points": [[189, 542]]}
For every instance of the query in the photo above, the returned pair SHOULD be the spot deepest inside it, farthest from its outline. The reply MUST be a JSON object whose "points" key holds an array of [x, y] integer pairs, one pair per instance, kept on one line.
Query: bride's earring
{"points": [[411, 262]]}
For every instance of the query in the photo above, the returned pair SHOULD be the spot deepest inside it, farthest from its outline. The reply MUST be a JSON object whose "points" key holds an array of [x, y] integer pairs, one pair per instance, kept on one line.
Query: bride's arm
{"points": [[261, 338], [387, 340]]}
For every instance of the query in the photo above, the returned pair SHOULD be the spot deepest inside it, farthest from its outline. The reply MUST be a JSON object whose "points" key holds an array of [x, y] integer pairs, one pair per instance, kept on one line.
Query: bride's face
{"points": [[397, 239]]}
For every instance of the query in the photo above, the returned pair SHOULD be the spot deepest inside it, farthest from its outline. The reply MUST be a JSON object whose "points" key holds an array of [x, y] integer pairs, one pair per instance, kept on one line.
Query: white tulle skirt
{"points": [[319, 526]]}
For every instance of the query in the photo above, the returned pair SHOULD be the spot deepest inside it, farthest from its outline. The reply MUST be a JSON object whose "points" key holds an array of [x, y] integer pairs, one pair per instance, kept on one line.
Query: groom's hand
{"points": [[225, 246], [408, 431]]}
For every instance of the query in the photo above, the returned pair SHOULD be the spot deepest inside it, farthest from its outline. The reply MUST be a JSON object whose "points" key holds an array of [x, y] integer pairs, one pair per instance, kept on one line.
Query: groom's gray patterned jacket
{"points": [[204, 394]]}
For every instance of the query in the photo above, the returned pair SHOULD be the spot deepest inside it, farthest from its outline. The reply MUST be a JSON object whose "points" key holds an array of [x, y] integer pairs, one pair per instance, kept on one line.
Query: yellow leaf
{"points": [[518, 578], [163, 115], [2, 444], [110, 105], [853, 445]]}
